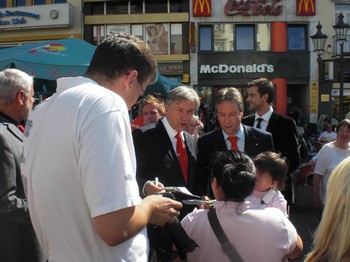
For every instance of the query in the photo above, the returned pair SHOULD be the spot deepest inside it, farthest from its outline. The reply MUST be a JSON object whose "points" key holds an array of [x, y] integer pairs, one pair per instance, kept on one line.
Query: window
{"points": [[98, 34], [263, 40], [156, 6], [205, 38], [137, 30], [2, 4], [245, 37], [60, 1], [136, 6], [116, 29], [157, 37], [296, 37], [117, 7], [97, 8], [178, 6], [176, 39], [39, 2], [19, 2], [223, 37]]}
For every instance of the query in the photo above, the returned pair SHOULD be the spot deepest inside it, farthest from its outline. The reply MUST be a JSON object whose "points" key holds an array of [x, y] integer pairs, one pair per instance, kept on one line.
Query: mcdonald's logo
{"points": [[306, 7], [201, 7]]}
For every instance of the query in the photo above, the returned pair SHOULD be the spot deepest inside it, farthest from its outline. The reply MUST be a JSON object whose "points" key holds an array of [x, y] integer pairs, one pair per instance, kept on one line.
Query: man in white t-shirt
{"points": [[79, 162]]}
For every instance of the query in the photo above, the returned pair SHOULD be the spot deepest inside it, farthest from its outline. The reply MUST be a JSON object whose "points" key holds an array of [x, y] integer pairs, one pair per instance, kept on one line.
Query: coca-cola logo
{"points": [[252, 7]]}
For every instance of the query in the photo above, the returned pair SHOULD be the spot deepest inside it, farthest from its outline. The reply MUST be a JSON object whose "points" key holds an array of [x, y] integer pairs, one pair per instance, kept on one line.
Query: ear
{"points": [[265, 97], [20, 97], [132, 76], [274, 183]]}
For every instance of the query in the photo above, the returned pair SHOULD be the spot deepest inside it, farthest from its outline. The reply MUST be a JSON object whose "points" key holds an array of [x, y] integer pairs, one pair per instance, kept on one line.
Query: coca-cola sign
{"points": [[253, 7]]}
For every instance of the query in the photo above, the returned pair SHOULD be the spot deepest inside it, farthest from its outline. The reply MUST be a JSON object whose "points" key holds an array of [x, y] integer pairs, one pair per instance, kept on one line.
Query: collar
{"points": [[171, 131], [240, 133], [265, 116], [11, 120]]}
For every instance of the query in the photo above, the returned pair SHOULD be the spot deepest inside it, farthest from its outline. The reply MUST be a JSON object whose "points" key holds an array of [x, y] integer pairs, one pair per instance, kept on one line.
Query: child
{"points": [[271, 170]]}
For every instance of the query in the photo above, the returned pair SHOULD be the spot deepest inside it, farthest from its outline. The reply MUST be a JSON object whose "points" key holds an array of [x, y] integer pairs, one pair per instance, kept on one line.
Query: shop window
{"points": [[179, 6], [176, 39], [296, 37], [116, 29], [117, 7], [157, 37], [245, 37], [223, 37], [136, 6], [263, 39], [19, 3], [98, 34], [39, 2], [137, 30], [205, 38], [156, 6]]}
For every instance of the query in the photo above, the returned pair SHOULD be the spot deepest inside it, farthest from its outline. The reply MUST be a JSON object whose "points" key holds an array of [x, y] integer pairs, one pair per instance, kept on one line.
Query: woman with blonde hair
{"points": [[332, 238]]}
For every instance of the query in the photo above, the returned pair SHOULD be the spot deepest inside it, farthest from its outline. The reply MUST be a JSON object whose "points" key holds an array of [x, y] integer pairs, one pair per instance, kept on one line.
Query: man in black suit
{"points": [[282, 128], [158, 155], [252, 141], [18, 241]]}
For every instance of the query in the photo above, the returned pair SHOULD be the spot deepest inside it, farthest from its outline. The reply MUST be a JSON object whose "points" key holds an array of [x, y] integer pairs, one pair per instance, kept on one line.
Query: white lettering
{"points": [[248, 69]]}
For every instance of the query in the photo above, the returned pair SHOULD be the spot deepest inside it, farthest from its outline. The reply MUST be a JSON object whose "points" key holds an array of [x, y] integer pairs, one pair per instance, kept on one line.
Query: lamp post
{"points": [[319, 42]]}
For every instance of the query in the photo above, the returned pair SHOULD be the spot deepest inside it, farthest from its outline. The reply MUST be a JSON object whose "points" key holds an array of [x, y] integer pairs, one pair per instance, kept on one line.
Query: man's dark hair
{"points": [[265, 86]]}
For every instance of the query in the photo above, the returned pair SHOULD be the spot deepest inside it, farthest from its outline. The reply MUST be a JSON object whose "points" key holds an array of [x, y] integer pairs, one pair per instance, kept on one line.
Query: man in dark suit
{"points": [[164, 150], [17, 237], [252, 141], [282, 128]]}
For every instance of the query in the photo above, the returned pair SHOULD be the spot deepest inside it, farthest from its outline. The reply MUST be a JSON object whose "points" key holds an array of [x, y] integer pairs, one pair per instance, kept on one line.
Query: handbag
{"points": [[226, 245]]}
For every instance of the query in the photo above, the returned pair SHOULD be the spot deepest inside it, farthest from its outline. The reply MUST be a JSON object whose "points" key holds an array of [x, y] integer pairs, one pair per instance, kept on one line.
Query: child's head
{"points": [[271, 171]]}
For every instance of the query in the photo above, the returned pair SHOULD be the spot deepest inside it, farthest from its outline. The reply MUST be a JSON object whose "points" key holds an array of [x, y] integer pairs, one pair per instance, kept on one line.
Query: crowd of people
{"points": [[81, 174]]}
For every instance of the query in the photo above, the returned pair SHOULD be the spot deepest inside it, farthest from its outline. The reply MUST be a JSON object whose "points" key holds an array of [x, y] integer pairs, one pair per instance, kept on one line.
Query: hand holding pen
{"points": [[153, 187]]}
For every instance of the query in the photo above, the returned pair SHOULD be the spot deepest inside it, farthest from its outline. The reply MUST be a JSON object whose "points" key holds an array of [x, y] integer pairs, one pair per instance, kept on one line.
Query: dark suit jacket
{"points": [[17, 238], [285, 137], [156, 157], [256, 141]]}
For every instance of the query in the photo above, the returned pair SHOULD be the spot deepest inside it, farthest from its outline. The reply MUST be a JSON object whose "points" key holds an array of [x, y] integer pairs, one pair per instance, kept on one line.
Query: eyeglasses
{"points": [[140, 86]]}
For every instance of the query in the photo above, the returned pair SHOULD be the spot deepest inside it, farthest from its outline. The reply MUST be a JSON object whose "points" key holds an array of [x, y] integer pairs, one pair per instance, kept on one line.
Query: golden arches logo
{"points": [[304, 5], [202, 4]]}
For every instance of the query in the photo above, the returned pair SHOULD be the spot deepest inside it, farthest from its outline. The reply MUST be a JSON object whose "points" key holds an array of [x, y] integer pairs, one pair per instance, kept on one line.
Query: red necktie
{"points": [[20, 127], [233, 141], [182, 155]]}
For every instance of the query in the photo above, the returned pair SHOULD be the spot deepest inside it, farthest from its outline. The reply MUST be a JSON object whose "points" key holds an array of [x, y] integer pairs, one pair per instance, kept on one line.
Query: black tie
{"points": [[259, 122]]}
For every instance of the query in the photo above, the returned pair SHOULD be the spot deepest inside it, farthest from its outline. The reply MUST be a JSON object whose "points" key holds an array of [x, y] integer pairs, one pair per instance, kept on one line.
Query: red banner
{"points": [[306, 7], [201, 7]]}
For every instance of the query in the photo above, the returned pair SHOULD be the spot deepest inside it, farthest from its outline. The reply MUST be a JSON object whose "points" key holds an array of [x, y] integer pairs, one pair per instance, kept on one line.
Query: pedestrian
{"points": [[166, 151], [330, 155], [232, 134], [18, 241], [271, 170], [79, 161], [254, 234], [283, 129], [332, 238]]}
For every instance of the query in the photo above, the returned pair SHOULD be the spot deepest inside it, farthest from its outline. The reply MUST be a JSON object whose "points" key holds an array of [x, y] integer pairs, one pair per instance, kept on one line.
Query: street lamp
{"points": [[341, 32], [319, 42]]}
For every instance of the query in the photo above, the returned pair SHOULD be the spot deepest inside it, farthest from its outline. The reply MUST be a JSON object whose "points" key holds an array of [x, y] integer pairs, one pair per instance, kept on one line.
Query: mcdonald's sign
{"points": [[201, 7], [306, 7]]}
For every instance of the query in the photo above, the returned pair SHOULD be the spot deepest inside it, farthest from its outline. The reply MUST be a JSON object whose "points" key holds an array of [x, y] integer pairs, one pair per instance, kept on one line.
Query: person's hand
{"points": [[153, 187], [163, 209]]}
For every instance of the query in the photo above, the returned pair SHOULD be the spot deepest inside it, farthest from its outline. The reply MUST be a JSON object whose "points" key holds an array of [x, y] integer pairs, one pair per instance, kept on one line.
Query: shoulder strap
{"points": [[226, 245]]}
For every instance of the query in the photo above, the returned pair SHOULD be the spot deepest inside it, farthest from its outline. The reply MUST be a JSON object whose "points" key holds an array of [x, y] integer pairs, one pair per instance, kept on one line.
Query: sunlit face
{"points": [[264, 181], [150, 114], [343, 134], [254, 100], [27, 104], [180, 114], [229, 117]]}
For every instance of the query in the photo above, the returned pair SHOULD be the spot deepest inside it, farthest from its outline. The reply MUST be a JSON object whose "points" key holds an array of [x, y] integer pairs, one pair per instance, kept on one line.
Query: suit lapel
{"points": [[250, 140], [219, 140], [272, 125]]}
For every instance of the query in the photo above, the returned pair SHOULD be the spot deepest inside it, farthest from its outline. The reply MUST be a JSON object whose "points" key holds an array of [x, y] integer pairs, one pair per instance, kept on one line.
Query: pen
{"points": [[156, 181]]}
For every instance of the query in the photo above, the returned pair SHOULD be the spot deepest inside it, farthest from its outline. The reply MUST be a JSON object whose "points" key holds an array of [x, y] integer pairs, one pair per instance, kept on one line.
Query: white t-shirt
{"points": [[79, 163], [327, 160], [258, 234]]}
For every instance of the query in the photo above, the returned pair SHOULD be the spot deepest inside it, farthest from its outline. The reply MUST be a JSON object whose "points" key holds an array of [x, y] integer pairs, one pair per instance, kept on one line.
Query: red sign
{"points": [[201, 7], [253, 7], [306, 7]]}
